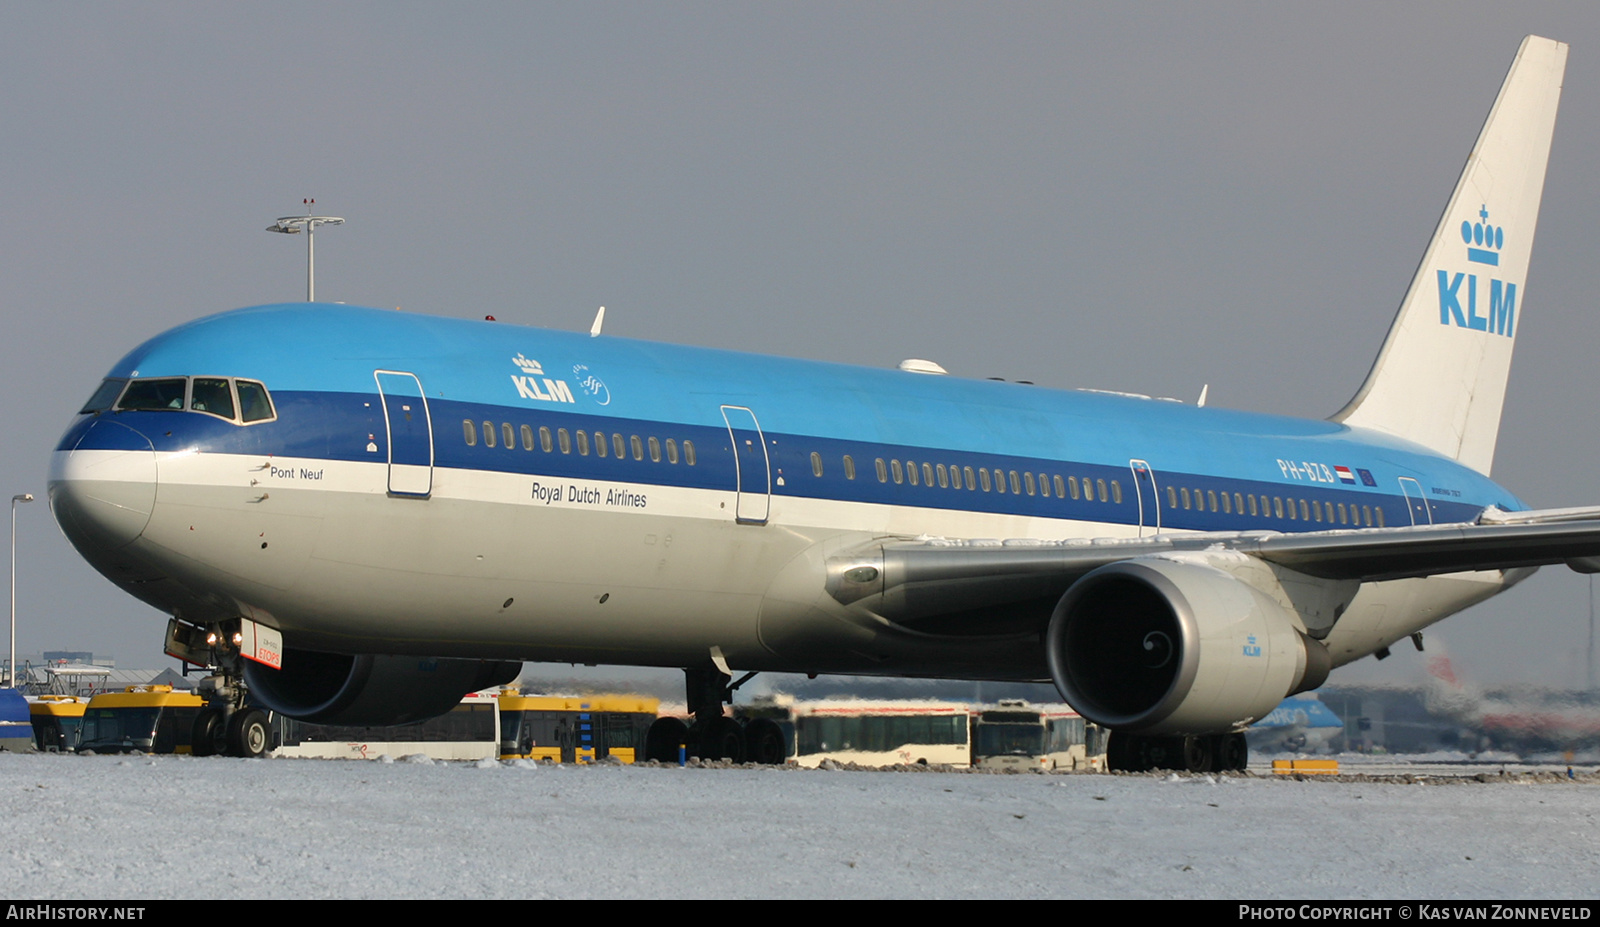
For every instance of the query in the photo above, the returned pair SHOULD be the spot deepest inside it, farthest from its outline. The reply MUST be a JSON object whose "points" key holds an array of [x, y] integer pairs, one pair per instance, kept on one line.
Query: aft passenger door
{"points": [[753, 468], [1416, 502], [410, 433]]}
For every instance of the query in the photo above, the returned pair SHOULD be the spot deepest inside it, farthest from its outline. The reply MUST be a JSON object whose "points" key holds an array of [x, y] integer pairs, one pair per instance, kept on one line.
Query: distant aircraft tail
{"points": [[1440, 378]]}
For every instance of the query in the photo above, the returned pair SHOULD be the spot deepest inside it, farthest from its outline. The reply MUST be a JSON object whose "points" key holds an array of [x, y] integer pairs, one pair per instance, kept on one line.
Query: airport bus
{"points": [[1020, 736], [469, 731], [867, 733], [140, 719], [56, 719], [574, 729]]}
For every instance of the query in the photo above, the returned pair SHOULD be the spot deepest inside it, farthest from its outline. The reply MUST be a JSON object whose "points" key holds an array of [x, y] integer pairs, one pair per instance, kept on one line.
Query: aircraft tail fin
{"points": [[1440, 378]]}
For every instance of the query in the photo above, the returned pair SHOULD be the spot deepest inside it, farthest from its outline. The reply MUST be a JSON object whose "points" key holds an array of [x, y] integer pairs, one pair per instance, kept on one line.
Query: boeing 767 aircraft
{"points": [[357, 515]]}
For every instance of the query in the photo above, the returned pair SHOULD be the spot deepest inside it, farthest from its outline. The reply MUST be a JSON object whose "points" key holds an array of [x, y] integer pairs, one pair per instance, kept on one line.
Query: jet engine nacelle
{"points": [[1162, 646], [364, 689]]}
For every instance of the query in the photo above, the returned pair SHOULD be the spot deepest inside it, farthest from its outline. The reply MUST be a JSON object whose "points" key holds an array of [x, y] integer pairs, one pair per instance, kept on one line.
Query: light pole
{"points": [[20, 497], [294, 225]]}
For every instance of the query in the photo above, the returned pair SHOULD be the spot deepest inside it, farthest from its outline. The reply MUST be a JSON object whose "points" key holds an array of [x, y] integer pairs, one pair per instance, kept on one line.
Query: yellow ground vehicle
{"points": [[574, 729], [140, 719], [56, 719]]}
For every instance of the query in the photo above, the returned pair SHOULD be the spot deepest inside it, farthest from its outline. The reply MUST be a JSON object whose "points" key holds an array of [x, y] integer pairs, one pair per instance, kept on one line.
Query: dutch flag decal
{"points": [[1345, 476]]}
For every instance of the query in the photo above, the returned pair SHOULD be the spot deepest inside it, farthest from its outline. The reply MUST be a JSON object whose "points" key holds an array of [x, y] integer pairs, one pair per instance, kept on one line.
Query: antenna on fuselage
{"points": [[599, 320], [294, 225]]}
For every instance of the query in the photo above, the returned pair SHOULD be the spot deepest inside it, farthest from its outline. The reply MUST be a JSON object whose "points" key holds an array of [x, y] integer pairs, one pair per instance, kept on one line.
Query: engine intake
{"points": [[1163, 646], [365, 689]]}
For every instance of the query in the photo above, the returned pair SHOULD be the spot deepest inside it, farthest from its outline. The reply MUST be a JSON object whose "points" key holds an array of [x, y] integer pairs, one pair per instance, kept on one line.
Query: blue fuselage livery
{"points": [[329, 408], [357, 515]]}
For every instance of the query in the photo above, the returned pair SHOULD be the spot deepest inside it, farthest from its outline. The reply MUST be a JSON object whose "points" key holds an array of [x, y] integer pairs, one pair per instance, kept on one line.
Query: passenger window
{"points": [[1211, 499], [1238, 503], [212, 395], [849, 467], [1344, 517], [1304, 515], [469, 431], [944, 477], [565, 440], [636, 445], [1116, 492], [1027, 481], [672, 451], [544, 438], [153, 395], [488, 434], [509, 435], [1227, 505], [254, 403], [583, 444], [600, 444], [816, 464], [1277, 506], [1016, 485], [1377, 514], [883, 473], [1185, 492], [899, 473], [655, 450], [617, 446], [527, 437], [999, 481], [983, 474], [1061, 491], [927, 475], [969, 479], [1101, 485], [688, 453], [1253, 511]]}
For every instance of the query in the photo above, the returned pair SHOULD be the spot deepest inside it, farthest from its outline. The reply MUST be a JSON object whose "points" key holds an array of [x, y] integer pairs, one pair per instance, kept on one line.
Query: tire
{"points": [[661, 740], [248, 734], [206, 736], [721, 739], [763, 741], [1200, 753], [1234, 753]]}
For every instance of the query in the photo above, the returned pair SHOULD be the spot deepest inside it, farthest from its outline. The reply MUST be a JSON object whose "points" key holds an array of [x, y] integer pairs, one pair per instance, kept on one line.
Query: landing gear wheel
{"points": [[662, 740], [247, 733], [1199, 753], [763, 740], [1233, 753], [722, 739], [205, 738]]}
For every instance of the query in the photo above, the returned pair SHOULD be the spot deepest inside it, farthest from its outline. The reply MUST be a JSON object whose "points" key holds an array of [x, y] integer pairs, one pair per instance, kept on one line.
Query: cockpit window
{"points": [[237, 401], [212, 394], [109, 390], [254, 403], [154, 394]]}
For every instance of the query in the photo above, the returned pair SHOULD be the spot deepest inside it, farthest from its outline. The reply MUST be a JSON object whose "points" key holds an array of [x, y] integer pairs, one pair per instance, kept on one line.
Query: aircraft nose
{"points": [[103, 490]]}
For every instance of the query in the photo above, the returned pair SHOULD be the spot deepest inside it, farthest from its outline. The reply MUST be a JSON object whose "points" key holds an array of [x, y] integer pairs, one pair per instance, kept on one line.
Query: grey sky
{"points": [[1142, 197]]}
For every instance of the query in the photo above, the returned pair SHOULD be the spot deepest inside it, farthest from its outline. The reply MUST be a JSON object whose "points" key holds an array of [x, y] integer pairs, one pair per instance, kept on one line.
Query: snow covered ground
{"points": [[112, 827]]}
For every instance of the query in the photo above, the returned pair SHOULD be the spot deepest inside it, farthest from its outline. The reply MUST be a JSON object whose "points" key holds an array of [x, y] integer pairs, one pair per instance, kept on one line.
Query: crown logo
{"points": [[1483, 240], [528, 364]]}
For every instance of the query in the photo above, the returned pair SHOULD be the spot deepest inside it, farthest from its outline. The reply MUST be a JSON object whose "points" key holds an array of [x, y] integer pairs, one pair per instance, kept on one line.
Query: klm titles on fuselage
{"points": [[528, 384], [1484, 242], [574, 494]]}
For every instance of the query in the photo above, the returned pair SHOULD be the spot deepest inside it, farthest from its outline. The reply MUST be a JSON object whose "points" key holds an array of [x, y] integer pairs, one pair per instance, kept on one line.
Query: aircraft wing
{"points": [[929, 581]]}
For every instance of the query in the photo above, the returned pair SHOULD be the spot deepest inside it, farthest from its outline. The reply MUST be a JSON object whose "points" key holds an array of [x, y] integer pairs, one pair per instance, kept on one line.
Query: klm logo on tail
{"points": [[1484, 242]]}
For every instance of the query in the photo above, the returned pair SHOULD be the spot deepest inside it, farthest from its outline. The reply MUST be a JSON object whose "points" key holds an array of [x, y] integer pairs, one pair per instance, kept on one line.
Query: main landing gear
{"points": [[228, 725], [1184, 752], [713, 735]]}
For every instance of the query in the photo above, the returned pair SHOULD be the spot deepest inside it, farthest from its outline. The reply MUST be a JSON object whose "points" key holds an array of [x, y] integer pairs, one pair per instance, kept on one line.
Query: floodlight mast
{"points": [[294, 225]]}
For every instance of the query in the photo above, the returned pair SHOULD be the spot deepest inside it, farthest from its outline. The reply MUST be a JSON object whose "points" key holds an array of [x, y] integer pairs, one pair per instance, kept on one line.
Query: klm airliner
{"points": [[357, 515]]}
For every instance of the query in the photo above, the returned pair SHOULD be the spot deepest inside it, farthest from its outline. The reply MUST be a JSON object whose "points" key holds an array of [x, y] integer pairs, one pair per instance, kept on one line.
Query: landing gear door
{"points": [[753, 477], [409, 432], [1416, 502], [1144, 484]]}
